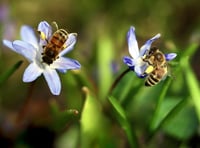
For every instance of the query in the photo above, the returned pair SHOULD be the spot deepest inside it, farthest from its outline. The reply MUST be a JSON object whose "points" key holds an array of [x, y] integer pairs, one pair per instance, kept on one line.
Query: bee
{"points": [[54, 45], [158, 67]]}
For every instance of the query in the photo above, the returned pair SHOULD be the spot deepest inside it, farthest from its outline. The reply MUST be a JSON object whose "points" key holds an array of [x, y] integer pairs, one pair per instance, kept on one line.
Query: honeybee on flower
{"points": [[140, 58], [37, 53]]}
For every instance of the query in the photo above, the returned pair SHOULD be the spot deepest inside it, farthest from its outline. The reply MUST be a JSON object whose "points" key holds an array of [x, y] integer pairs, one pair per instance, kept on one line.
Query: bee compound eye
{"points": [[151, 52], [159, 57]]}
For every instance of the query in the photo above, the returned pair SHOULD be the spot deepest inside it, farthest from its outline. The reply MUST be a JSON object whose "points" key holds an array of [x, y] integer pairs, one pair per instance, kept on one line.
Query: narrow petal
{"points": [[65, 63], [9, 44], [28, 35], [25, 49], [62, 70], [53, 81], [147, 45], [129, 61], [45, 28], [132, 43], [140, 70], [170, 56], [69, 43], [142, 76], [31, 73]]}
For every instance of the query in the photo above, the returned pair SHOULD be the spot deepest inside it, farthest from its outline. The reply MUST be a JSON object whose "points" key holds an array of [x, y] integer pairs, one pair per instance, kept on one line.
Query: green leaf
{"points": [[190, 50], [153, 124], [61, 118], [123, 84], [4, 76], [68, 139], [193, 84], [169, 108], [183, 125], [92, 121], [118, 108], [121, 116], [104, 56]]}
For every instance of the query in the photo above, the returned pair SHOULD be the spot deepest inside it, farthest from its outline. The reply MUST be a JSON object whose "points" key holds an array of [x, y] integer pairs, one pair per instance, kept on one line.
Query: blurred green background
{"points": [[166, 115]]}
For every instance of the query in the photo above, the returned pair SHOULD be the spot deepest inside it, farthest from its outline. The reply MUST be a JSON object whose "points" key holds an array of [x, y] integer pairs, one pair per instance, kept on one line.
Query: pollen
{"points": [[149, 69], [42, 35], [64, 46]]}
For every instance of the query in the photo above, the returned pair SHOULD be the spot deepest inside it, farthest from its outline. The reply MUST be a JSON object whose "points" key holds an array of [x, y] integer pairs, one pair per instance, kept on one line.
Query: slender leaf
{"points": [[121, 116], [4, 76], [153, 124], [184, 124], [168, 110], [193, 85], [104, 55], [190, 50], [61, 118], [92, 121]]}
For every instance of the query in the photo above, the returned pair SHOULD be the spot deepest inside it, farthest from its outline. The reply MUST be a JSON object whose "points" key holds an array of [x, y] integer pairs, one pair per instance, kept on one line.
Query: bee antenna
{"points": [[55, 25]]}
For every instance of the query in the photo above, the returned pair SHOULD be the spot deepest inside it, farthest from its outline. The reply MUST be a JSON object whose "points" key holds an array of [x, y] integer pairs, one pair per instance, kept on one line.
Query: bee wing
{"points": [[69, 44]]}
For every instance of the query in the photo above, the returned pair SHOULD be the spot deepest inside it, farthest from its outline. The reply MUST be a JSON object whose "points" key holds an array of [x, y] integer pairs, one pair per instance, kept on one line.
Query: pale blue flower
{"points": [[135, 62], [32, 50]]}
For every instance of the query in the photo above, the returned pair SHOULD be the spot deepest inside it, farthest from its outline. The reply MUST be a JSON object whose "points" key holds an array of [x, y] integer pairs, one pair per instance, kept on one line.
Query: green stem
{"points": [[117, 80], [22, 111]]}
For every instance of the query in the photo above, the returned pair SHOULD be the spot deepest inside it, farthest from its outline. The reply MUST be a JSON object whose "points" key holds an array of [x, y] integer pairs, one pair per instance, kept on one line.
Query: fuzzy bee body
{"points": [[54, 46], [155, 59], [158, 74]]}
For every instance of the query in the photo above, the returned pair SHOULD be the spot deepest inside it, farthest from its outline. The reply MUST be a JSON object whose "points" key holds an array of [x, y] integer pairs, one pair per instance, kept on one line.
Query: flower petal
{"points": [[53, 80], [25, 49], [9, 44], [132, 43], [62, 70], [28, 35], [69, 43], [142, 76], [63, 63], [129, 61], [170, 56], [147, 45], [31, 73], [45, 31], [140, 70], [45, 28]]}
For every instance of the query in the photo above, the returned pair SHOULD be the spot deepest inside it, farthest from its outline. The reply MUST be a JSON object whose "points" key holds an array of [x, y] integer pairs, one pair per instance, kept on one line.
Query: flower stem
{"points": [[22, 111], [117, 80]]}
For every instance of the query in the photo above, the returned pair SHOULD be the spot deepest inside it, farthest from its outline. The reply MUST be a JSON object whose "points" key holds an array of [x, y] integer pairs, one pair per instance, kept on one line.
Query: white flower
{"points": [[32, 50], [135, 62]]}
